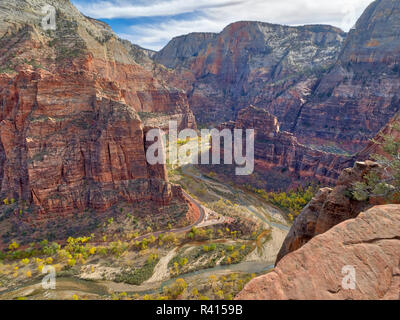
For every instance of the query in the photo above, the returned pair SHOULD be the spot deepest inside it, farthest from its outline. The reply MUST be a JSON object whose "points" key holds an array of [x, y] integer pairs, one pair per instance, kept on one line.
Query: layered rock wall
{"points": [[359, 95], [330, 89], [278, 153], [71, 135], [270, 66]]}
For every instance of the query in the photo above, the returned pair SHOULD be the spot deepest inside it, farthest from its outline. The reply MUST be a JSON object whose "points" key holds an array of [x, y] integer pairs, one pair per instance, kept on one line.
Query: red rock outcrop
{"points": [[281, 162], [327, 209], [328, 88], [334, 205], [71, 138], [369, 243]]}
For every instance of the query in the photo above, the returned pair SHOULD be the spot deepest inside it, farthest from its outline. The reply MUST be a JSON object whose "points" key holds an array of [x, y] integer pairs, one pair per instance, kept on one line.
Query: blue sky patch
{"points": [[153, 23]]}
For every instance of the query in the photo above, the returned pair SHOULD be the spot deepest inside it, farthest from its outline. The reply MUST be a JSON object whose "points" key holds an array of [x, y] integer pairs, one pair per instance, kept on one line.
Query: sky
{"points": [[153, 23]]}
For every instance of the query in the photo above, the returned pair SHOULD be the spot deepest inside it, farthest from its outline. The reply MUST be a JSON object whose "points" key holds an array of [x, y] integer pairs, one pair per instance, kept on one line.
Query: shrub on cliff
{"points": [[383, 183]]}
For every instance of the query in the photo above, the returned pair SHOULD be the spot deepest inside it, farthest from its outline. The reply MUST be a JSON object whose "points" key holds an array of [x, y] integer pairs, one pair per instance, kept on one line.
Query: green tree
{"points": [[383, 182]]}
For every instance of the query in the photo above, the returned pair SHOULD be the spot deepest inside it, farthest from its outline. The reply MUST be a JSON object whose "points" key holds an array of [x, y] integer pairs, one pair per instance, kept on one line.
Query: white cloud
{"points": [[155, 36], [125, 9], [214, 15]]}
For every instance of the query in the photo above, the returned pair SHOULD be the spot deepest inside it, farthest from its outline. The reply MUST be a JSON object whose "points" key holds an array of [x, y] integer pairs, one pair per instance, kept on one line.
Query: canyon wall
{"points": [[270, 66], [360, 94], [332, 90], [71, 100], [281, 162]]}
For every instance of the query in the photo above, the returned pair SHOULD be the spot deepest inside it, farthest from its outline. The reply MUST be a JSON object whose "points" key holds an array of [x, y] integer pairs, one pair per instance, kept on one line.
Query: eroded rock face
{"points": [[71, 138], [356, 99], [278, 153], [270, 66], [375, 146], [327, 209], [369, 243], [330, 89]]}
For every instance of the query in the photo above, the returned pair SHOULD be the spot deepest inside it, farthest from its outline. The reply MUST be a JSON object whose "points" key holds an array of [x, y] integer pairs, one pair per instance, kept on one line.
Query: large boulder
{"points": [[366, 248], [327, 209]]}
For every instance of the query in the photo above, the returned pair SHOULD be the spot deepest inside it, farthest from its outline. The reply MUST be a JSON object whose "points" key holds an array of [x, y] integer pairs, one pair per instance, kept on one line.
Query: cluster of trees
{"points": [[176, 290], [235, 254], [292, 202], [226, 287], [210, 248], [173, 292], [43, 248], [78, 250], [207, 256], [168, 239], [30, 261], [7, 201], [144, 244], [37, 255], [210, 233], [200, 234]]}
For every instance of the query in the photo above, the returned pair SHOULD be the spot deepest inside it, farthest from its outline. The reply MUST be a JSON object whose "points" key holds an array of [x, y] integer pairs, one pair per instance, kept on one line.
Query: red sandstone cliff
{"points": [[71, 138], [359, 95], [328, 88], [270, 66]]}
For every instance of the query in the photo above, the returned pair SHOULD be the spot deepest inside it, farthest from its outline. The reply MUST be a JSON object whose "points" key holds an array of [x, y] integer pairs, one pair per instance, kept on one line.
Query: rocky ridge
{"points": [[369, 244], [270, 66], [281, 162], [329, 88]]}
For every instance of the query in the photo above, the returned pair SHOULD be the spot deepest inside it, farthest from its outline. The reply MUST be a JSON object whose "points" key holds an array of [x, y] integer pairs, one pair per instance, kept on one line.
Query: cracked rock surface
{"points": [[369, 243]]}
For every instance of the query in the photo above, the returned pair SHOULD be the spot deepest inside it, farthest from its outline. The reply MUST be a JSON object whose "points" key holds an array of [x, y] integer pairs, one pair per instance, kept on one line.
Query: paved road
{"points": [[242, 203], [183, 229]]}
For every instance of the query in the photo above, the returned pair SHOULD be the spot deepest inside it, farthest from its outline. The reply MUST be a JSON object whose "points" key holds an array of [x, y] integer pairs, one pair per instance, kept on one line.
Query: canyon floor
{"points": [[209, 258]]}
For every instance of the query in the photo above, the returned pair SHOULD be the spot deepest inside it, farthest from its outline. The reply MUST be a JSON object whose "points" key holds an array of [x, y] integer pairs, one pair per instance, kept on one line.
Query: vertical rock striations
{"points": [[360, 94], [71, 136], [331, 90], [270, 66]]}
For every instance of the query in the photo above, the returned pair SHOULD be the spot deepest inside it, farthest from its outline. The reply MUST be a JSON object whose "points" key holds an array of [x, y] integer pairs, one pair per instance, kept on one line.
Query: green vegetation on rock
{"points": [[383, 183]]}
